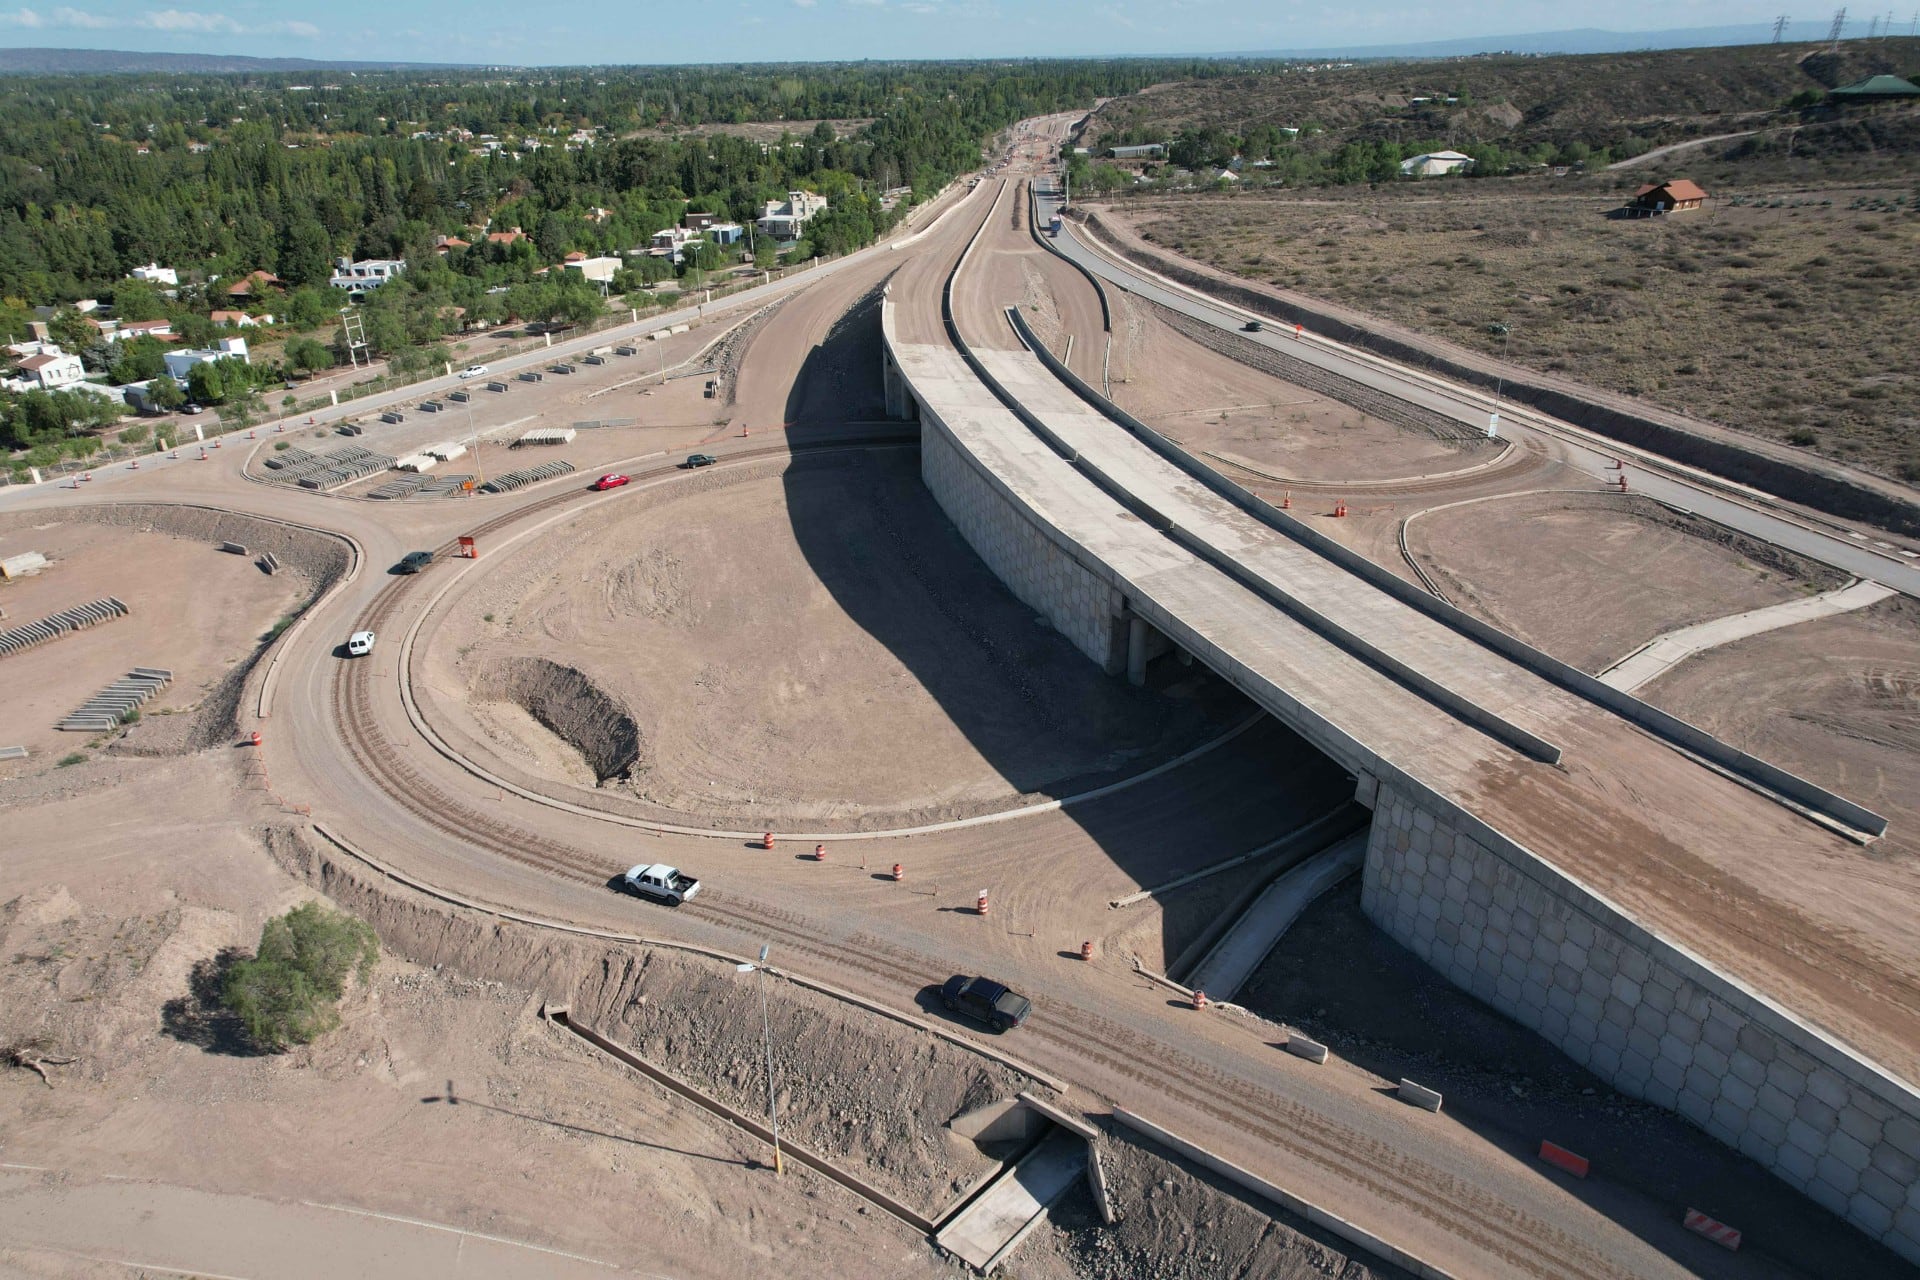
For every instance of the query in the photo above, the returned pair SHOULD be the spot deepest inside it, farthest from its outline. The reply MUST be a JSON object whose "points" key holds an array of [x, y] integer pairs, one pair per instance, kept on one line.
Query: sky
{"points": [[663, 31]]}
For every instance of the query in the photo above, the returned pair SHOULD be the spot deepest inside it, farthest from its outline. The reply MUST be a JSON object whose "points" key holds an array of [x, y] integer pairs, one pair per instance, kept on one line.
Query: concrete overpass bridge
{"points": [[1610, 876]]}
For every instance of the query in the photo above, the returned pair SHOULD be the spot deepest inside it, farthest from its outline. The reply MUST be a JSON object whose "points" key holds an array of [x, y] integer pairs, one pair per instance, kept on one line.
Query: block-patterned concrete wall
{"points": [[1037, 569], [1653, 1022]]}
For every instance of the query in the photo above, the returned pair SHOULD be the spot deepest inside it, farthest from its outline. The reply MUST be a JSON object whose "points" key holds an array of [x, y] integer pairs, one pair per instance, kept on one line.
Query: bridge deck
{"points": [[1799, 913]]}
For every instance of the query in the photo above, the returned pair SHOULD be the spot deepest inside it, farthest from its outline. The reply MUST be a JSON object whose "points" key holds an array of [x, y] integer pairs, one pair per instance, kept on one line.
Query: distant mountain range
{"points": [[43, 62], [1585, 40]]}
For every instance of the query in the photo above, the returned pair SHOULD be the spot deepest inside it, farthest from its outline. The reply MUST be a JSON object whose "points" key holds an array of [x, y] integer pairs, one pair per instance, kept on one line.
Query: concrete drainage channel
{"points": [[987, 1222]]}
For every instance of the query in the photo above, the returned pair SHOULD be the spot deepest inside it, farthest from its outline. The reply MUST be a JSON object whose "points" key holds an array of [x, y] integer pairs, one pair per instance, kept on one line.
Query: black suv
{"points": [[985, 1001], [414, 562], [700, 460]]}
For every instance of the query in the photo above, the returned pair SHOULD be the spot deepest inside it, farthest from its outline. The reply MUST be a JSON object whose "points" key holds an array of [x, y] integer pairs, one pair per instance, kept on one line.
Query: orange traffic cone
{"points": [[1340, 510], [1086, 950], [253, 739], [980, 903], [766, 841], [899, 872], [819, 853], [1199, 999], [1286, 500]]}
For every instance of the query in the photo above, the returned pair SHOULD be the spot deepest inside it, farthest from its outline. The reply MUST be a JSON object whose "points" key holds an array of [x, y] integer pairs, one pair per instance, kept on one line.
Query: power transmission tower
{"points": [[354, 332], [1779, 26], [1873, 26], [1839, 25]]}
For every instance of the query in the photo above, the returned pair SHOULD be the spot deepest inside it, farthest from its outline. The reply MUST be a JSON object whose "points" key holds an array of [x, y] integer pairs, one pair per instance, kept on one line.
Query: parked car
{"points": [[414, 562], [700, 460], [474, 371], [190, 408], [360, 644], [1253, 326], [986, 1001], [657, 880], [613, 481]]}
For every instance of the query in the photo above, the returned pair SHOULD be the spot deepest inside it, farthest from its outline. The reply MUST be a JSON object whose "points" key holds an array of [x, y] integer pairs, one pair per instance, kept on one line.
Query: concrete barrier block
{"points": [[233, 547], [1301, 1047], [1419, 1096]]}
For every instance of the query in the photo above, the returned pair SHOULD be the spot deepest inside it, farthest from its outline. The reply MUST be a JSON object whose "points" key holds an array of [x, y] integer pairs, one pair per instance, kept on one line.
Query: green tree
{"points": [[73, 331], [165, 394], [289, 992], [308, 356], [206, 383]]}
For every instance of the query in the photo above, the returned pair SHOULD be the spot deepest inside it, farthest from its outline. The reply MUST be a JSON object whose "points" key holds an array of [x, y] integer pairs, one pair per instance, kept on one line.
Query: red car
{"points": [[610, 482]]}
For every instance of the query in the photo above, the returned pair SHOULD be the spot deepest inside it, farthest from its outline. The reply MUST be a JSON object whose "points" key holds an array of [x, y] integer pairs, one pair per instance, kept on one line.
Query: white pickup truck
{"points": [[662, 882]]}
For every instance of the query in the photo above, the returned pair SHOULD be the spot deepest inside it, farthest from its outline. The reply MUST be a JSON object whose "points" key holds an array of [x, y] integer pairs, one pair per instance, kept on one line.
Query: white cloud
{"points": [[171, 21], [805, 4]]}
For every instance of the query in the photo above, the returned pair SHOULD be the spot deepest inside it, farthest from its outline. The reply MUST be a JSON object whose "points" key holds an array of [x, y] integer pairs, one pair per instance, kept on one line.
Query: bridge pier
{"points": [[1144, 644], [901, 403]]}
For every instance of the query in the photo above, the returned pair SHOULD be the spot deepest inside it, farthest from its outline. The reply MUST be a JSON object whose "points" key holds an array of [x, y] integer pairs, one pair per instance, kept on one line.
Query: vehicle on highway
{"points": [[613, 481], [700, 460], [191, 408], [658, 880], [474, 371], [414, 562], [986, 1001], [1253, 326], [360, 644]]}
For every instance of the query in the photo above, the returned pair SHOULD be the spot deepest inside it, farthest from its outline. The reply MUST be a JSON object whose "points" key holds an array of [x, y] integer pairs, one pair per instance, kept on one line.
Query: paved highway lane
{"points": [[1723, 502]]}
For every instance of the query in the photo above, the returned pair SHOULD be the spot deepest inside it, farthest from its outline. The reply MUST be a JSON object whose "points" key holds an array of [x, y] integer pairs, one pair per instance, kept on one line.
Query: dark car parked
{"points": [[985, 1001], [414, 562]]}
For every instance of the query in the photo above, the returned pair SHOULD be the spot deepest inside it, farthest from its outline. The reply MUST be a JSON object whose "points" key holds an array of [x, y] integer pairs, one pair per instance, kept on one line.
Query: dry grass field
{"points": [[1786, 311]]}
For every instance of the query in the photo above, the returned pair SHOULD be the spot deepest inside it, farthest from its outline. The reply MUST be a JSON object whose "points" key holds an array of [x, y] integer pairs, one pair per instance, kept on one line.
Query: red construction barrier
{"points": [[1561, 1158], [1718, 1232], [980, 903], [819, 853], [899, 872], [1086, 951], [766, 841]]}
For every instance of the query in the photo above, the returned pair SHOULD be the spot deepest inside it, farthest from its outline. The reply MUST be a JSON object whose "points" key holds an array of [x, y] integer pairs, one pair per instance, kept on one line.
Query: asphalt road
{"points": [[1857, 553]]}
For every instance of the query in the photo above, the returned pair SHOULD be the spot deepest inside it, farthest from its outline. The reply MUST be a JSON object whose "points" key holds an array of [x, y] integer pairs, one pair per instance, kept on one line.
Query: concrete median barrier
{"points": [[1419, 1096]]}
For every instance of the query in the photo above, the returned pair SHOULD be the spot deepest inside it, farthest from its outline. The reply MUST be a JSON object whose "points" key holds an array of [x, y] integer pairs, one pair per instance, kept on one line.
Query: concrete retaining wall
{"points": [[1645, 1016], [1079, 604]]}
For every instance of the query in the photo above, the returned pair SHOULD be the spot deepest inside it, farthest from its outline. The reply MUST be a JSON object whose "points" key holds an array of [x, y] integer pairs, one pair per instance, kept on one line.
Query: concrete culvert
{"points": [[574, 708]]}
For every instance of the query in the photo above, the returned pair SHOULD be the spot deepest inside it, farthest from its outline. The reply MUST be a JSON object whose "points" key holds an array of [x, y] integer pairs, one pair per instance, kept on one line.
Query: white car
{"points": [[360, 644], [474, 371]]}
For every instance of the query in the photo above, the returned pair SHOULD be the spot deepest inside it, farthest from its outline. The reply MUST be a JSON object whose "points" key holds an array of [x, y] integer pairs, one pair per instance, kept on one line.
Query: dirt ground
{"points": [[194, 610], [1377, 1005], [1777, 313], [1836, 701], [1595, 577], [775, 684], [1229, 412]]}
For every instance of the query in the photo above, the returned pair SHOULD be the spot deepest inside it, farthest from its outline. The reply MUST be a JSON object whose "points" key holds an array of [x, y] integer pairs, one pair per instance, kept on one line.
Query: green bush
{"points": [[289, 992], [75, 758]]}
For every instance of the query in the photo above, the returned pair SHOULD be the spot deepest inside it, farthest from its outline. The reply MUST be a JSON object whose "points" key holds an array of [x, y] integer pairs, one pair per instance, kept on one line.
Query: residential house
{"points": [[253, 283], [598, 270], [154, 273], [365, 274], [443, 245], [783, 219], [672, 243], [724, 233], [1666, 197], [52, 369], [698, 221], [160, 329], [179, 363], [506, 237], [1435, 164]]}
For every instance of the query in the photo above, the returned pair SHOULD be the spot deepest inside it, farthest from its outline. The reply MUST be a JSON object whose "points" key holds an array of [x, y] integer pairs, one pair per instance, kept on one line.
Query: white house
{"points": [[161, 329], [368, 273], [154, 273], [1435, 164], [673, 242], [598, 270], [782, 219], [51, 370], [179, 363]]}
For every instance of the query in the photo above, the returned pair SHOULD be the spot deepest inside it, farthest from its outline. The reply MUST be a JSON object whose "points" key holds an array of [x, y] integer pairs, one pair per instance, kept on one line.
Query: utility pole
{"points": [[766, 1036], [1500, 375], [1779, 27], [1839, 25]]}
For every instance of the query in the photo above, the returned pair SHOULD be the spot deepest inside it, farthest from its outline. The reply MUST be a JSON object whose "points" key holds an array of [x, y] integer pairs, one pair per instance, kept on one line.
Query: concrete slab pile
{"points": [[111, 706], [54, 625]]}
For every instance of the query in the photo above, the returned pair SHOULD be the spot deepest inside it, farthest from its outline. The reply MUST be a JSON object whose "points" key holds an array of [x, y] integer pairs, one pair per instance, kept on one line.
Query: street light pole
{"points": [[1499, 375], [766, 1035]]}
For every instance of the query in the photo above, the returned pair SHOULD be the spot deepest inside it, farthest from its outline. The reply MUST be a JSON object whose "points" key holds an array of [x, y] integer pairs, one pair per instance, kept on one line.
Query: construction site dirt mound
{"points": [[852, 1085], [572, 708], [786, 643]]}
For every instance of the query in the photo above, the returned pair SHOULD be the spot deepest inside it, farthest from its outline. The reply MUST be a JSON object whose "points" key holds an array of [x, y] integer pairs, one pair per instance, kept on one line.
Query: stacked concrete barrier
{"points": [[55, 625], [1645, 1016], [111, 705], [518, 479]]}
